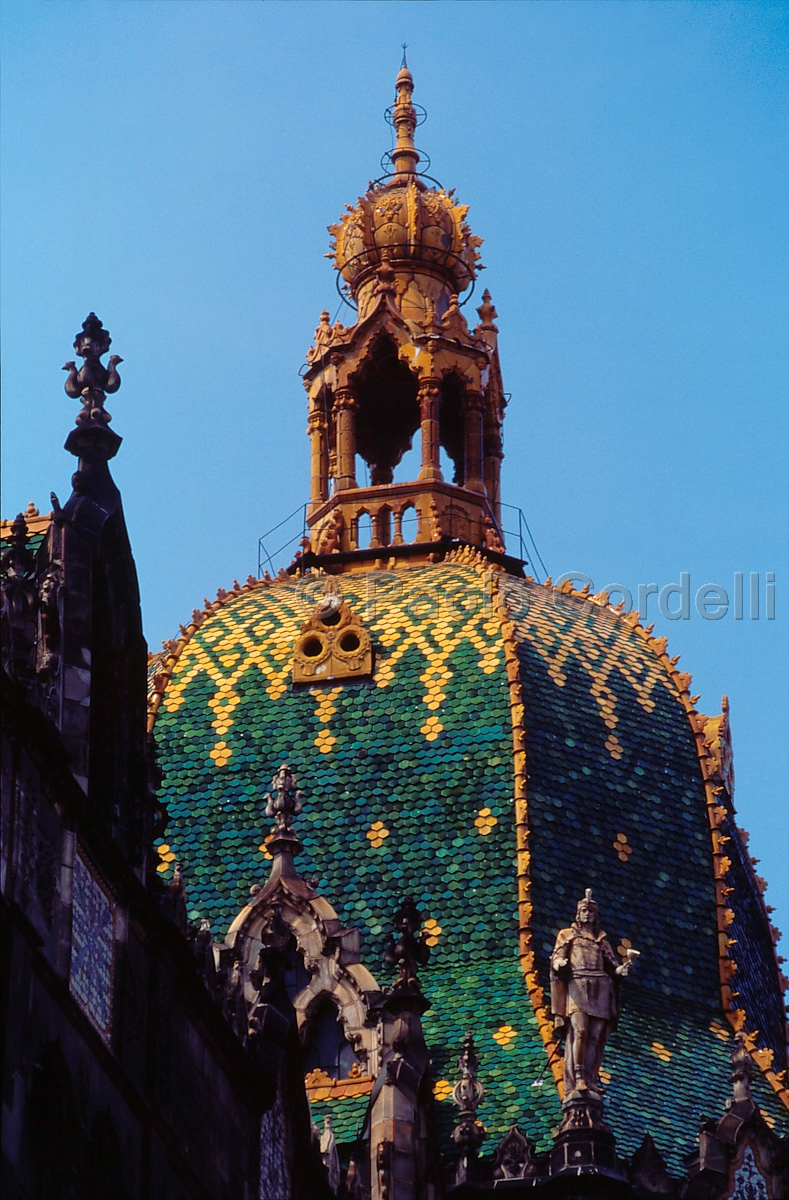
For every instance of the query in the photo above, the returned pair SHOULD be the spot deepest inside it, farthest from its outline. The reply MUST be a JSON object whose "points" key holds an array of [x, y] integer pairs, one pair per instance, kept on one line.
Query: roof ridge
{"points": [[716, 813], [523, 855]]}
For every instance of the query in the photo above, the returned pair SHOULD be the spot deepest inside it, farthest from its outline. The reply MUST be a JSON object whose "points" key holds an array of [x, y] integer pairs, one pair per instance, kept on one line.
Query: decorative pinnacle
{"points": [[487, 312], [405, 156], [18, 560], [93, 379], [409, 949], [283, 804], [467, 1095]]}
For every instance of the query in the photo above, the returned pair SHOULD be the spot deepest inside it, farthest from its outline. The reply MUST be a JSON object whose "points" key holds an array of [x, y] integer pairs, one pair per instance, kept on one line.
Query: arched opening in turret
{"points": [[383, 526], [387, 416], [297, 977], [408, 467], [326, 1046], [451, 425], [409, 524], [363, 529]]}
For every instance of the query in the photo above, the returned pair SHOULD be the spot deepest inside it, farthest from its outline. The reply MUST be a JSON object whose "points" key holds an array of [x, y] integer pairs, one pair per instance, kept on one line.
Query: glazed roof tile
{"points": [[602, 748]]}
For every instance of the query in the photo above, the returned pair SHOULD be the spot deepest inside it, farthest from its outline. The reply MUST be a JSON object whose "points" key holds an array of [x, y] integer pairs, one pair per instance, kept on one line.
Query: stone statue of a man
{"points": [[585, 980]]}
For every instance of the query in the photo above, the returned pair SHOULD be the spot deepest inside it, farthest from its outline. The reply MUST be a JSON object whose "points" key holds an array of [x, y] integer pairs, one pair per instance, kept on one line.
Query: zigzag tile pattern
{"points": [[410, 786]]}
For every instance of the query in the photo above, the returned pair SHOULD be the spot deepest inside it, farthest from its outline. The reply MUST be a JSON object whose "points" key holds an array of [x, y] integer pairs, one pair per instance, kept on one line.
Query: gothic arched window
{"points": [[327, 1047]]}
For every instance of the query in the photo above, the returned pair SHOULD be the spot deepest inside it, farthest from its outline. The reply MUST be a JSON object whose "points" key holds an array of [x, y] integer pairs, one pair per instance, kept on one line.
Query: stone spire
{"points": [[400, 1113], [407, 949], [18, 602]]}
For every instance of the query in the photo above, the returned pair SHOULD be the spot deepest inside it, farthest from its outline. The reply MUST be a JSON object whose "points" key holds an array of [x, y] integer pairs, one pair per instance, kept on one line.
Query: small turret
{"points": [[410, 365]]}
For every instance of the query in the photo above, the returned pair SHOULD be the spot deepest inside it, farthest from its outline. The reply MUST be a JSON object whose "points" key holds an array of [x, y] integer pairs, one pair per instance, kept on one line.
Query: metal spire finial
{"points": [[405, 156], [404, 63]]}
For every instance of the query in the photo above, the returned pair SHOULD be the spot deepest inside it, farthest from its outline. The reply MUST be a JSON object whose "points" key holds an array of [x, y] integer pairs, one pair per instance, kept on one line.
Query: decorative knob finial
{"points": [[487, 312], [407, 948], [283, 803], [92, 380], [405, 156], [467, 1095]]}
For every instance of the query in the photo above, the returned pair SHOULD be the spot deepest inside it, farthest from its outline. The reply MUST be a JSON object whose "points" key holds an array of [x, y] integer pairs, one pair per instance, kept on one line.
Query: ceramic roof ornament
{"points": [[410, 365], [92, 380]]}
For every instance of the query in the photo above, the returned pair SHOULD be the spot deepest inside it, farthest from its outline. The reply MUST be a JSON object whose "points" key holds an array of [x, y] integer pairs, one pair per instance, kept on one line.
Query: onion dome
{"points": [[404, 219]]}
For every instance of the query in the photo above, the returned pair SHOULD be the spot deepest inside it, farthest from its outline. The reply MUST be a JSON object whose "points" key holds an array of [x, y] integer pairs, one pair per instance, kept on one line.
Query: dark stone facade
{"points": [[122, 1075]]}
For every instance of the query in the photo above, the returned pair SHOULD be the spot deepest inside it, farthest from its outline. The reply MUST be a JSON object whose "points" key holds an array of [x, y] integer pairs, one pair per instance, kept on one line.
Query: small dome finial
{"points": [[405, 156]]}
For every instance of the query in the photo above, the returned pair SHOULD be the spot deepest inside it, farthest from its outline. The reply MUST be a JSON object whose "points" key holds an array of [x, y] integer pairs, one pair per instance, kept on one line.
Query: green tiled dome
{"points": [[410, 786]]}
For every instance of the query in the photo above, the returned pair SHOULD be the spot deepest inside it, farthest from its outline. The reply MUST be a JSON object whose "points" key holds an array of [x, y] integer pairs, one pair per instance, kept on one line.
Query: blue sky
{"points": [[174, 166]]}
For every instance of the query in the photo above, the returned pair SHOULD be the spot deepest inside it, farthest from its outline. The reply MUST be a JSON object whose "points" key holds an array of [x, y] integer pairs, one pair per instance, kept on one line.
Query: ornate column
{"points": [[473, 439], [429, 398], [319, 458], [493, 456], [345, 429]]}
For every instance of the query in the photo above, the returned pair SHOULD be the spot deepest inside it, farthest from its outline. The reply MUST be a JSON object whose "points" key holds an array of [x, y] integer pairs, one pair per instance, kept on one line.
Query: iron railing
{"points": [[519, 539]]}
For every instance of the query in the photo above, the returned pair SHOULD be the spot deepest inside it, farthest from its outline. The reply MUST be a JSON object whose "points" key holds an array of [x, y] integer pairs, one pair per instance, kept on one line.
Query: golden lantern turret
{"points": [[409, 363]]}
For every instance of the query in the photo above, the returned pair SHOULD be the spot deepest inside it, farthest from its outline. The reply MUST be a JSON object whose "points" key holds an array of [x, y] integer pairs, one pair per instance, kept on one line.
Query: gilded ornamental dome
{"points": [[405, 220]]}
